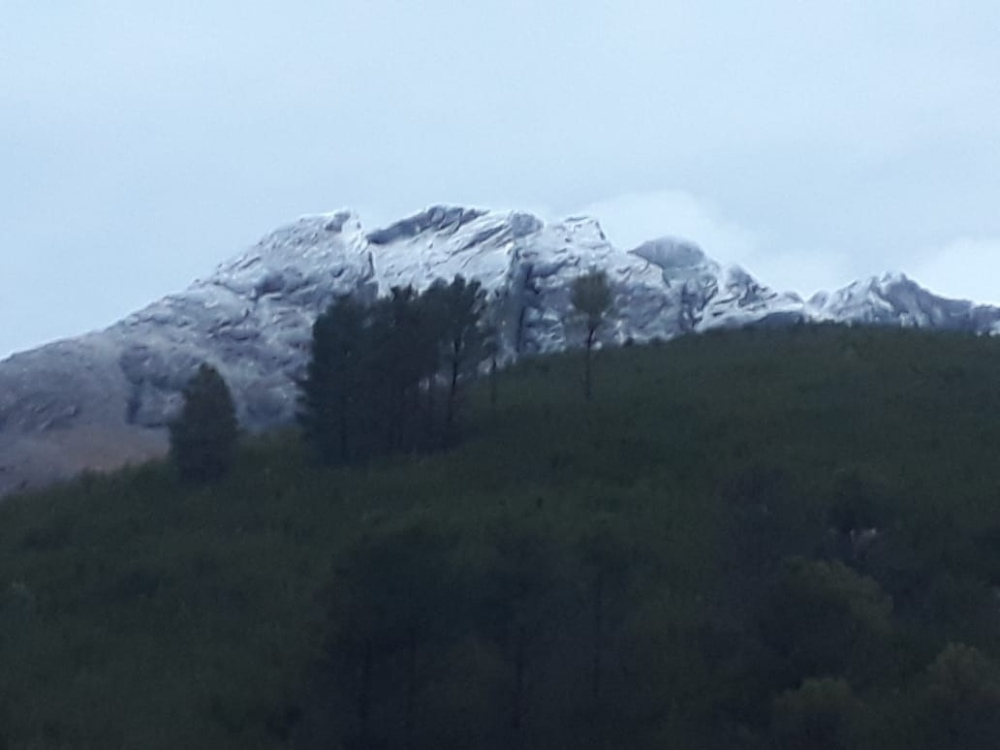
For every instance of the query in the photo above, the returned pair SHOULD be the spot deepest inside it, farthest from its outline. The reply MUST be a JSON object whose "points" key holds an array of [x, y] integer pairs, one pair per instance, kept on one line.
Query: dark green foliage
{"points": [[203, 437], [331, 395], [607, 564], [823, 714], [385, 378], [395, 596], [463, 341], [523, 598], [676, 566], [491, 331], [590, 295], [959, 701], [859, 503], [822, 618]]}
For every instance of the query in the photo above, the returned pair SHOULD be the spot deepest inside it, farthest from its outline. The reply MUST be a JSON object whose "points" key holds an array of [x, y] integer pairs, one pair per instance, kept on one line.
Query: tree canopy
{"points": [[590, 295], [386, 377], [203, 436], [679, 565]]}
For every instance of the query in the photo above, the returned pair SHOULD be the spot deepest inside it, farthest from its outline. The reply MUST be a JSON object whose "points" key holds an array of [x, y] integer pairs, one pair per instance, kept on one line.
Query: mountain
{"points": [[104, 398], [894, 299]]}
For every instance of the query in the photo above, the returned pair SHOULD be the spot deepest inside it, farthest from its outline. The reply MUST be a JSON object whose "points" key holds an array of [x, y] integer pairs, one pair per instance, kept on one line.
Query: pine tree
{"points": [[492, 344], [403, 358], [591, 296], [331, 398], [396, 594], [203, 437], [371, 387], [463, 339]]}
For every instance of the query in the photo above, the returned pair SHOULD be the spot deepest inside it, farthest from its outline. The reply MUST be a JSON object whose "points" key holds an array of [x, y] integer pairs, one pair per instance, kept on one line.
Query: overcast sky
{"points": [[141, 143]]}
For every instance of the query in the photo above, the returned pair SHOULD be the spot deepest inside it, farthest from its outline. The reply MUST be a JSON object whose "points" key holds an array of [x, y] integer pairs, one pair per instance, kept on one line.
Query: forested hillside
{"points": [[766, 538]]}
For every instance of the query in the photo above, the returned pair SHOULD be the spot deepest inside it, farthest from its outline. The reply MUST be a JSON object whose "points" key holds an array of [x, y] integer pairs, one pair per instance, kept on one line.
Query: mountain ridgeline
{"points": [[103, 399]]}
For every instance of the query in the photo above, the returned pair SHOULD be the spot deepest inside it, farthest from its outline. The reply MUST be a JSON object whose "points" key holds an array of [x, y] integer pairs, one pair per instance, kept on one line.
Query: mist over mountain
{"points": [[104, 398]]}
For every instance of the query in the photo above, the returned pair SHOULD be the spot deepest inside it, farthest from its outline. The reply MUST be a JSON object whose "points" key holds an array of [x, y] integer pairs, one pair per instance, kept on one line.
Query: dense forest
{"points": [[764, 538]]}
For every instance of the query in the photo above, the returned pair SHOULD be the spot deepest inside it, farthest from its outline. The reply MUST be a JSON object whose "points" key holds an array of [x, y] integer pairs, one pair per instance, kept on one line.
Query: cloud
{"points": [[967, 268], [633, 218], [805, 271]]}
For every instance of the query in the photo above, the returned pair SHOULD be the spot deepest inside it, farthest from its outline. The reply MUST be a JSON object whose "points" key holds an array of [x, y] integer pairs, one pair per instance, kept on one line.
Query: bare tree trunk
{"points": [[587, 387], [430, 417], [517, 707], [493, 387], [449, 420], [365, 697], [598, 653], [344, 456], [411, 688]]}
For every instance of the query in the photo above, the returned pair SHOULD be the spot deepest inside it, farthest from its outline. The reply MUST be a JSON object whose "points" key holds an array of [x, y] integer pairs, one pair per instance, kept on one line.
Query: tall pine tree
{"points": [[332, 393], [385, 378], [203, 437], [590, 294], [462, 339]]}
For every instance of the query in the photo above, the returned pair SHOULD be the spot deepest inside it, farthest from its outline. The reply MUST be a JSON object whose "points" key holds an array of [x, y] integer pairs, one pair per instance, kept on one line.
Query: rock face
{"points": [[104, 398], [894, 299]]}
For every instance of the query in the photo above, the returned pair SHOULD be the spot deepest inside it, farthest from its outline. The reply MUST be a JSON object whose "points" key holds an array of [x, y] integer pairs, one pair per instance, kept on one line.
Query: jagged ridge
{"points": [[252, 318]]}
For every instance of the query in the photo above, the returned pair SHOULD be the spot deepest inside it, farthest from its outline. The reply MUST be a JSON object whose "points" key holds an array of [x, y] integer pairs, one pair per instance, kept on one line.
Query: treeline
{"points": [[383, 377], [386, 377]]}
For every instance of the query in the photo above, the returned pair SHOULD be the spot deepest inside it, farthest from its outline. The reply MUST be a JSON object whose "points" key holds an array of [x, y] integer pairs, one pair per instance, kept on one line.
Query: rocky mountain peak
{"points": [[106, 396]]}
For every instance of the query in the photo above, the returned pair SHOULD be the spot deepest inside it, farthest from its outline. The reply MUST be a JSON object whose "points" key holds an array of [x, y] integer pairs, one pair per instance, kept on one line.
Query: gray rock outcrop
{"points": [[104, 398]]}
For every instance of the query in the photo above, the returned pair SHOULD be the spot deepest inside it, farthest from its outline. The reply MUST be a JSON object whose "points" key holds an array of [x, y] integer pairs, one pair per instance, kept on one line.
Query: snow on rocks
{"points": [[252, 316]]}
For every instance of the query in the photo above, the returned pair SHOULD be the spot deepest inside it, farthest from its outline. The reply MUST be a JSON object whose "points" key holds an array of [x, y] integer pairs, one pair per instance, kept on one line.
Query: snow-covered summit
{"points": [[895, 299], [252, 316]]}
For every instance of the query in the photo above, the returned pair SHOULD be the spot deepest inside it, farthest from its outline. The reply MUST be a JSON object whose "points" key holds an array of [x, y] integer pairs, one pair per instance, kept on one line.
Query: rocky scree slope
{"points": [[104, 398]]}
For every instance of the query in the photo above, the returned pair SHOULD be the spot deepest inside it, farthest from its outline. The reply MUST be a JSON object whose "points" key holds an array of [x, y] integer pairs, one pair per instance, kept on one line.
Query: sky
{"points": [[814, 143]]}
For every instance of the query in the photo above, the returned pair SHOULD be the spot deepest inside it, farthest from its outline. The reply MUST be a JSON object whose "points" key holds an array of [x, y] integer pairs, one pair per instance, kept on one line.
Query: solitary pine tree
{"points": [[203, 437], [591, 296], [492, 342], [403, 356], [462, 339]]}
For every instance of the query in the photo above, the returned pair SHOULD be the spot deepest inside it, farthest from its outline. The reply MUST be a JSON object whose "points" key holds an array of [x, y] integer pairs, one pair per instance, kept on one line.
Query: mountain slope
{"points": [[894, 299], [138, 612], [252, 317]]}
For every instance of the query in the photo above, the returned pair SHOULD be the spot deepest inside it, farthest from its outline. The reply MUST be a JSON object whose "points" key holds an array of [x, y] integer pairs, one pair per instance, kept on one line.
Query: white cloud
{"points": [[633, 218], [968, 268], [805, 271]]}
